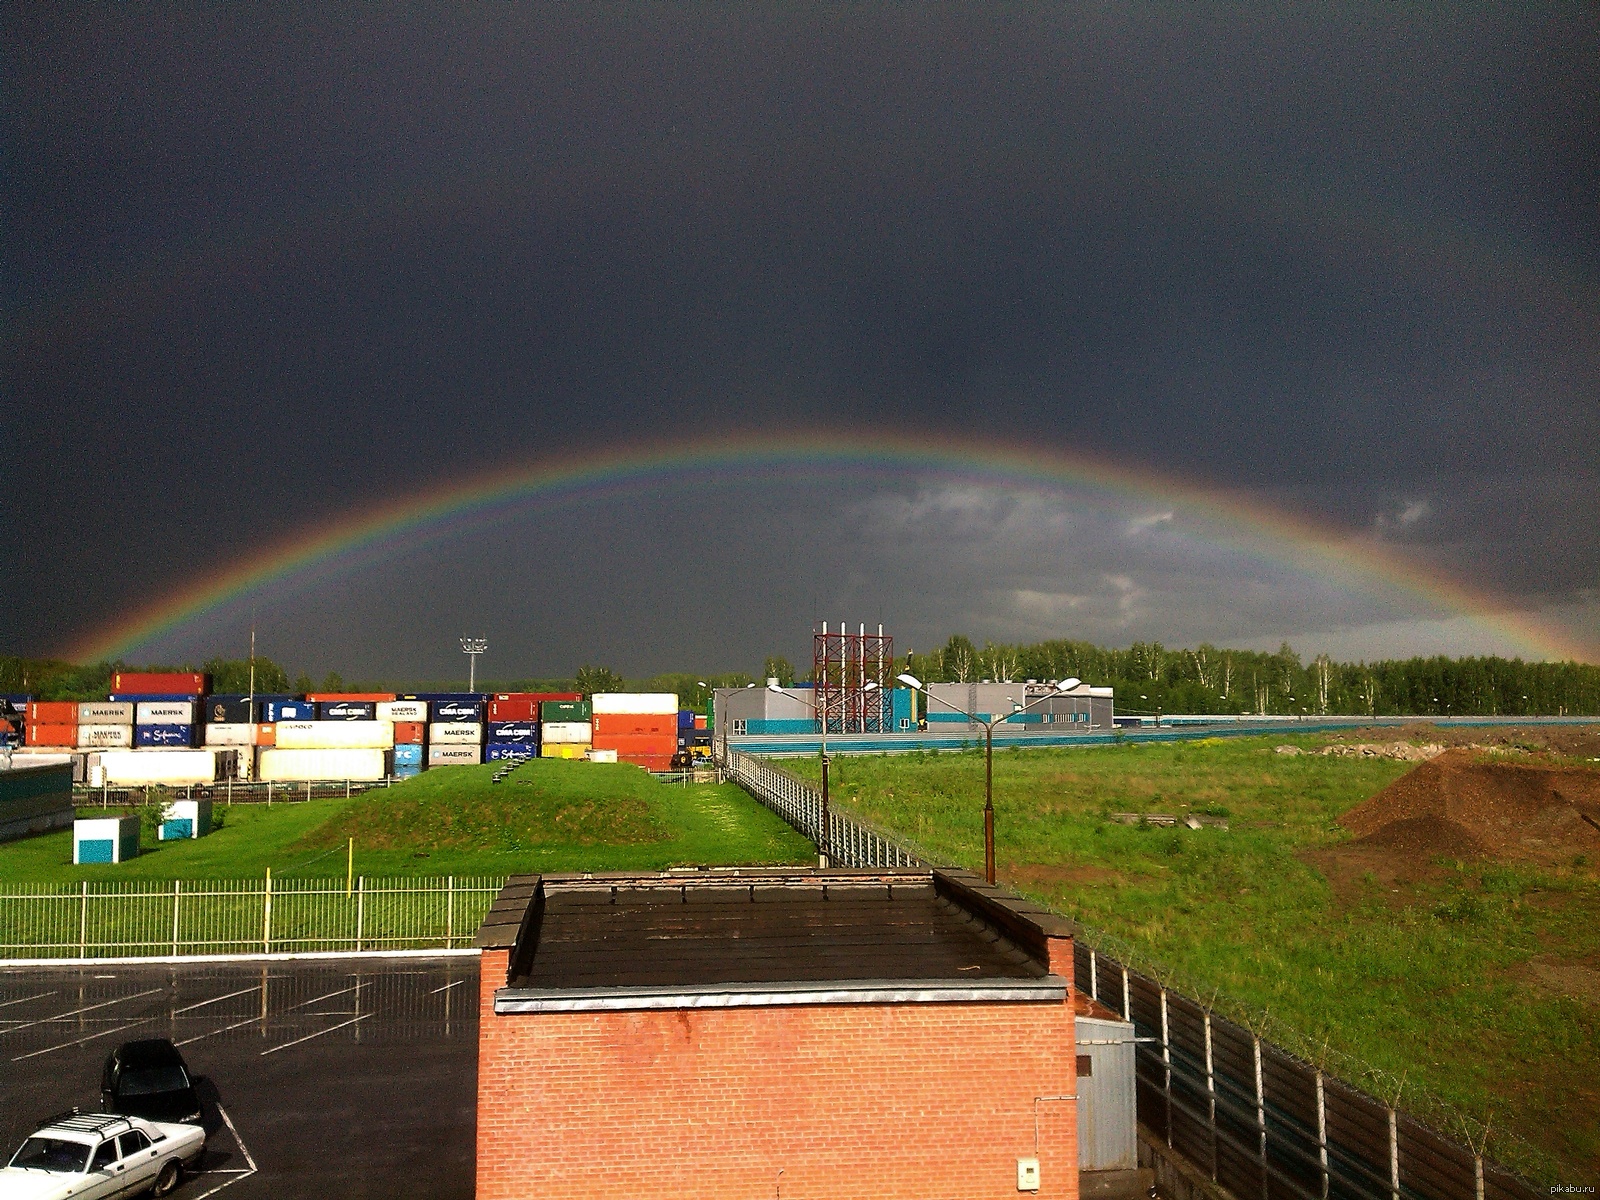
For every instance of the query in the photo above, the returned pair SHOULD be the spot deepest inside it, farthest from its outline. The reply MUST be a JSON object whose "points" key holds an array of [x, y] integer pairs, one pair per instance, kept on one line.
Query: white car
{"points": [[88, 1156]]}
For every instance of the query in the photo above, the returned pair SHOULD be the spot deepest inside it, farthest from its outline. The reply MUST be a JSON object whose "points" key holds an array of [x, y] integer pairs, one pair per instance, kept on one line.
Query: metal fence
{"points": [[224, 791], [245, 916], [1264, 1123], [849, 841]]}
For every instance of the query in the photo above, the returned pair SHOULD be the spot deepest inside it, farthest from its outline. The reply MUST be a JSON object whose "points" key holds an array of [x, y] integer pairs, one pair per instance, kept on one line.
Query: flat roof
{"points": [[746, 937]]}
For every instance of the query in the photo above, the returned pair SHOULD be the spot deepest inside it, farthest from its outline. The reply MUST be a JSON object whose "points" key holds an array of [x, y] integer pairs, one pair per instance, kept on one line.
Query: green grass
{"points": [[1470, 982], [550, 815]]}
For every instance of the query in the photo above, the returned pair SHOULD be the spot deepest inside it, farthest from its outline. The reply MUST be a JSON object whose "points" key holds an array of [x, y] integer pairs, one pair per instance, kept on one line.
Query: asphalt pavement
{"points": [[340, 1077]]}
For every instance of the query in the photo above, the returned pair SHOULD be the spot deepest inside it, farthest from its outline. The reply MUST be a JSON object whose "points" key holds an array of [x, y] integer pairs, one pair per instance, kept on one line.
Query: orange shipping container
{"points": [[52, 735], [637, 743], [633, 724], [266, 735], [52, 712], [650, 762], [409, 733], [359, 697], [137, 683]]}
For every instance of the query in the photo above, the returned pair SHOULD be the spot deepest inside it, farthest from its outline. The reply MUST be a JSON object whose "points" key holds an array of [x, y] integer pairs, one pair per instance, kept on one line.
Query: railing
{"points": [[1264, 1123], [850, 841], [224, 791], [246, 916]]}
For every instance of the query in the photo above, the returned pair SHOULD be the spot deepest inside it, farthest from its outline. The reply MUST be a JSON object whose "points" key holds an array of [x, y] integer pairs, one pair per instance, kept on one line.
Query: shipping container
{"points": [[267, 734], [563, 750], [472, 697], [160, 684], [513, 708], [173, 767], [454, 756], [407, 772], [505, 751], [165, 735], [650, 762], [347, 710], [334, 735], [686, 718], [700, 721], [565, 710], [105, 713], [52, 735], [229, 710], [538, 696], [553, 733], [513, 731], [602, 756], [105, 840], [403, 710], [302, 765], [355, 697], [635, 723], [53, 712], [165, 712], [638, 743], [410, 733], [455, 733], [407, 754], [455, 710], [636, 702], [230, 735], [109, 736], [288, 710]]}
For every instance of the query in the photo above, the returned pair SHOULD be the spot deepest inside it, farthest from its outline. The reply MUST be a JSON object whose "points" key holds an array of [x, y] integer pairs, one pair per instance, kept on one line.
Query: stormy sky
{"points": [[265, 267]]}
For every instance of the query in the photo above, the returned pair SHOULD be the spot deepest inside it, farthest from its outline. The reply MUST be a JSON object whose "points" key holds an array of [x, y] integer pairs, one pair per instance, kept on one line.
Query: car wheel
{"points": [[167, 1180]]}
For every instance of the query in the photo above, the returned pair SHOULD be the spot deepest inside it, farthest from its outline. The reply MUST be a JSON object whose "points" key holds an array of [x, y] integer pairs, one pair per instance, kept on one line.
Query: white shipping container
{"points": [[403, 710], [177, 767], [455, 733], [106, 713], [230, 734], [164, 712], [566, 733], [655, 704], [313, 764], [335, 735], [105, 735], [454, 756], [609, 756]]}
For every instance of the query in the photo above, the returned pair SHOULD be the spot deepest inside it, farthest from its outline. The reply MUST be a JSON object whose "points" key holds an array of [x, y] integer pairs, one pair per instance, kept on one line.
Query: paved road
{"points": [[340, 1077]]}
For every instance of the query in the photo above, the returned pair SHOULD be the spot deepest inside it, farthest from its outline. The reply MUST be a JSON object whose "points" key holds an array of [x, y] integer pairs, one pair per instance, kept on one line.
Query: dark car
{"points": [[149, 1079]]}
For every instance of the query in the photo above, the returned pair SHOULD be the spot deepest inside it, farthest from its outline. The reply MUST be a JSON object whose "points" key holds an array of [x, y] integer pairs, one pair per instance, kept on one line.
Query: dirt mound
{"points": [[1505, 810]]}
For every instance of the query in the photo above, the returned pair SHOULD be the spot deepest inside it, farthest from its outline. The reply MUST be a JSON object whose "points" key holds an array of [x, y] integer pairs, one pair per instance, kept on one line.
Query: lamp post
{"points": [[472, 647], [824, 856], [1066, 685]]}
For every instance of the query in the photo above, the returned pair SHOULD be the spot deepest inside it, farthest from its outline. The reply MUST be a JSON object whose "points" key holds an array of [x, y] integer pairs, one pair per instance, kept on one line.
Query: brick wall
{"points": [[912, 1100]]}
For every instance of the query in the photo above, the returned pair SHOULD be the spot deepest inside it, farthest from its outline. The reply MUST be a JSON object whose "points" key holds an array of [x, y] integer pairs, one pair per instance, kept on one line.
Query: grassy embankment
{"points": [[549, 815], [1473, 981]]}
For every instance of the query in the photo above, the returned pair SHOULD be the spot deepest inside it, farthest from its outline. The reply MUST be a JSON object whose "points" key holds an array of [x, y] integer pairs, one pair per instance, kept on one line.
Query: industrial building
{"points": [[762, 1032]]}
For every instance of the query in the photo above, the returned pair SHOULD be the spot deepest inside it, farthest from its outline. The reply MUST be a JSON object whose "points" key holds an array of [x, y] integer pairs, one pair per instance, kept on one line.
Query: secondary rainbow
{"points": [[1361, 563]]}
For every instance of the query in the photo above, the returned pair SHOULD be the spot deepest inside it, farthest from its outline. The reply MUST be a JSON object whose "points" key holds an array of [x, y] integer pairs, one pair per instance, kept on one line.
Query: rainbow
{"points": [[1358, 562]]}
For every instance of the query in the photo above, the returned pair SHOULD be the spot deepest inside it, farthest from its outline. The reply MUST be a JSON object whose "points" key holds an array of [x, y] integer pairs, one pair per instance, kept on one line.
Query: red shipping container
{"points": [[513, 708], [52, 735], [699, 721], [409, 733], [135, 683], [53, 712], [538, 696], [637, 743], [650, 762], [636, 723], [266, 735], [360, 697]]}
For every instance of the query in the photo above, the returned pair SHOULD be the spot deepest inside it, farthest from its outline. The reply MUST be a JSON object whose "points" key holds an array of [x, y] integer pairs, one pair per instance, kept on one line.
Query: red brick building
{"points": [[766, 1033]]}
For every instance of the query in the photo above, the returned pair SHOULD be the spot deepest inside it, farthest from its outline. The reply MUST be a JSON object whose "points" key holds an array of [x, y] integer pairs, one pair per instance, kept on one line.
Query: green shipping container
{"points": [[565, 710]]}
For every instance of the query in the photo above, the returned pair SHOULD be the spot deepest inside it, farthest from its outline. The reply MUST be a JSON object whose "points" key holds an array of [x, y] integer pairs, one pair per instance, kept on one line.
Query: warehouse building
{"points": [[1080, 710], [761, 1032]]}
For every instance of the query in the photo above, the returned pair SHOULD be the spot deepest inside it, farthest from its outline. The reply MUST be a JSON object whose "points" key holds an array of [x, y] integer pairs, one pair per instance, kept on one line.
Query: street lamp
{"points": [[824, 858], [472, 647], [1066, 685]]}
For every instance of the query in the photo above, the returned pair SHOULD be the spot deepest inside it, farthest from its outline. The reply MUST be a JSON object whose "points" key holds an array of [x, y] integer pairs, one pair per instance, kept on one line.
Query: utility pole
{"points": [[472, 647]]}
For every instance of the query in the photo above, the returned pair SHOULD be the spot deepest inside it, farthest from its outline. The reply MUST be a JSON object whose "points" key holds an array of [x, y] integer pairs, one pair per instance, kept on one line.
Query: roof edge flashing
{"points": [[1050, 989]]}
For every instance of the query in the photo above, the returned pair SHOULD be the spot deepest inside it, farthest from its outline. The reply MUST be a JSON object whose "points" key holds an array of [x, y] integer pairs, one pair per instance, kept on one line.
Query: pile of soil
{"points": [[1461, 805]]}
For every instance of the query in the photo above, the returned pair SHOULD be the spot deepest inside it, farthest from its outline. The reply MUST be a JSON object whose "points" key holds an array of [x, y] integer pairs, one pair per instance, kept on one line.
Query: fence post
{"points": [[450, 913], [1211, 1097], [1322, 1133], [266, 915], [1261, 1116], [1094, 976], [1127, 1003], [83, 923], [1166, 1064], [1477, 1176], [1394, 1156], [177, 888], [361, 909]]}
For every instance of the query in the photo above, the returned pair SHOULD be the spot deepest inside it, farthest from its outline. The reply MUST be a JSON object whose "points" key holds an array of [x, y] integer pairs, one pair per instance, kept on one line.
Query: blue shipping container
{"points": [[686, 718], [408, 756], [456, 710], [514, 731], [406, 772], [347, 710], [164, 735], [273, 711], [147, 697], [498, 751]]}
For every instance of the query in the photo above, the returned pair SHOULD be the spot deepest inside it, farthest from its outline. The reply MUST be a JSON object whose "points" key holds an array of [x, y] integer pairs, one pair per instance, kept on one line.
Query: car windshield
{"points": [[52, 1154], [147, 1081]]}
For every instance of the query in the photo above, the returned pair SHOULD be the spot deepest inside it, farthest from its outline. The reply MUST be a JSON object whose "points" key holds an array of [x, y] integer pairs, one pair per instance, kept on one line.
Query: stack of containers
{"points": [[512, 730], [52, 723], [642, 727], [346, 741], [455, 730], [565, 730], [230, 723], [105, 725], [410, 721]]}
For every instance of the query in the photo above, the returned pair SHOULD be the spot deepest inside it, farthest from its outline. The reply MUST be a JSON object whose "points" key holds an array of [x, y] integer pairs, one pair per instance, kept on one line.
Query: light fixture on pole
{"points": [[472, 647], [824, 854], [915, 684]]}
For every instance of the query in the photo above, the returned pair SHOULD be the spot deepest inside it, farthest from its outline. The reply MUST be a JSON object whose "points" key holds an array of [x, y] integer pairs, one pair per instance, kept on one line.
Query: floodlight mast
{"points": [[472, 647]]}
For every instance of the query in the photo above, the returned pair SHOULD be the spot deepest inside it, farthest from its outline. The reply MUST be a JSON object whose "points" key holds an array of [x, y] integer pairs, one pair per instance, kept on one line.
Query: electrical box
{"points": [[1027, 1174]]}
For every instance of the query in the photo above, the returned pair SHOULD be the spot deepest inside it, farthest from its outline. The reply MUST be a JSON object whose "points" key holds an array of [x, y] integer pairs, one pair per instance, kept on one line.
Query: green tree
{"points": [[598, 679], [775, 666]]}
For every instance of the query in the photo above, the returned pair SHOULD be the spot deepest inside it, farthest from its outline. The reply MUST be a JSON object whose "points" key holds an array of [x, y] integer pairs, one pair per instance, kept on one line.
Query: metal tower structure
{"points": [[852, 674]]}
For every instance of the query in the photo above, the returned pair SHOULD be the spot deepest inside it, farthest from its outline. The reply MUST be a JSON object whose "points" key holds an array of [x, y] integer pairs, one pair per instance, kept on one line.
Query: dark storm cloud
{"points": [[264, 267]]}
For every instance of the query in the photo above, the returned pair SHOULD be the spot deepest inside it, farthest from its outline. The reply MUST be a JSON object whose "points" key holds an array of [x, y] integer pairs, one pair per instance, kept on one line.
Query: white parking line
{"points": [[446, 987], [25, 999], [216, 1000], [88, 1008], [251, 1020], [317, 1034], [82, 1040], [243, 1149]]}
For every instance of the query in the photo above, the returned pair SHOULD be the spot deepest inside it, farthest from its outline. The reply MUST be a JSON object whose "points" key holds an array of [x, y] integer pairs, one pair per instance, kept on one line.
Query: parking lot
{"points": [[342, 1077]]}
